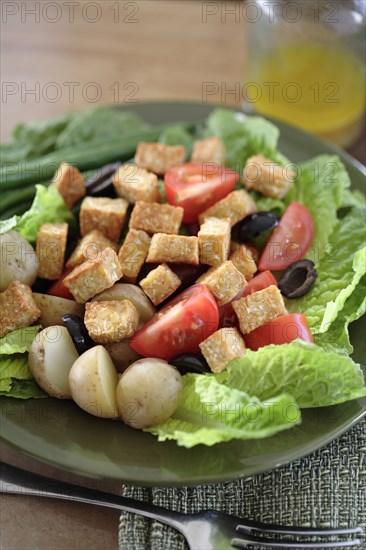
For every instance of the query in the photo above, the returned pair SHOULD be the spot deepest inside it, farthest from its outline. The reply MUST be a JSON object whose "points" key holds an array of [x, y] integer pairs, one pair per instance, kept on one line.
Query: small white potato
{"points": [[93, 381], [18, 260], [126, 291], [50, 359], [53, 308], [148, 392], [122, 354]]}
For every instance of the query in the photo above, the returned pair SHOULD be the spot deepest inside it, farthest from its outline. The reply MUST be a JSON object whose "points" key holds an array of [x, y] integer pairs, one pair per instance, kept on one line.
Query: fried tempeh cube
{"points": [[160, 283], [211, 149], [136, 184], [156, 218], [158, 157], [50, 250], [267, 177], [244, 261], [105, 214], [133, 252], [258, 308], [18, 308], [235, 206], [89, 247], [90, 278], [70, 183], [214, 241], [224, 281], [175, 249], [111, 321], [221, 347]]}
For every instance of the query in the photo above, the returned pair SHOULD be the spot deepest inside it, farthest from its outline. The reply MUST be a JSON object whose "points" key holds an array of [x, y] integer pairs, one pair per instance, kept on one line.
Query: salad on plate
{"points": [[189, 280]]}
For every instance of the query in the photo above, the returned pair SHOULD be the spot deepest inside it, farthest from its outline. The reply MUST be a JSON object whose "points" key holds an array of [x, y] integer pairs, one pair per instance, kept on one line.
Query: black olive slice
{"points": [[253, 226], [101, 181], [190, 362], [78, 332], [297, 279]]}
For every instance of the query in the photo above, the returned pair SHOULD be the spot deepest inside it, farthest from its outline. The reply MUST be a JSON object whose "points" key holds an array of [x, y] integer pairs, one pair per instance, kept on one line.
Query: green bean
{"points": [[83, 157], [18, 208]]}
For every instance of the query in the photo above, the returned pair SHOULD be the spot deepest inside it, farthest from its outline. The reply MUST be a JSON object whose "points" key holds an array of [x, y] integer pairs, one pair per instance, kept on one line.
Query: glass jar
{"points": [[306, 64]]}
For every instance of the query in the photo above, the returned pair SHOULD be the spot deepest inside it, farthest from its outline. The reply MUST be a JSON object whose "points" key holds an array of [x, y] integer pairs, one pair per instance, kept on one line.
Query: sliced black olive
{"points": [[297, 279], [78, 332], [101, 182], [253, 226], [190, 362]]}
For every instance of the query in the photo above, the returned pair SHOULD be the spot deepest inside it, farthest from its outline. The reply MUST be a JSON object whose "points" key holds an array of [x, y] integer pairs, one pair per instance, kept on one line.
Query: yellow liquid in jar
{"points": [[316, 87]]}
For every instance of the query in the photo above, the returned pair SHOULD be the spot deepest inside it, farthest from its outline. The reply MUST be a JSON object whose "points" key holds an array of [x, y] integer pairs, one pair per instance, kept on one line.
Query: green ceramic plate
{"points": [[59, 433]]}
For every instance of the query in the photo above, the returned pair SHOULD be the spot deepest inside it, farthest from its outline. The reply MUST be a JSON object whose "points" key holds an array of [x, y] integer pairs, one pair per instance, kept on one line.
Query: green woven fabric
{"points": [[326, 488]]}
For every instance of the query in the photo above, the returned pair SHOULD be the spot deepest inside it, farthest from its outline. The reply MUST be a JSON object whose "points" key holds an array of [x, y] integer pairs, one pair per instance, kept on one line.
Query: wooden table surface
{"points": [[57, 60]]}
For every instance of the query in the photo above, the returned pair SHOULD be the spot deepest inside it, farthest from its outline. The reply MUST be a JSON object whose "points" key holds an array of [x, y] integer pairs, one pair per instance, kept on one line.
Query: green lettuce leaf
{"points": [[18, 341], [338, 274], [34, 139], [244, 136], [210, 413], [22, 389], [177, 135], [337, 338], [321, 186], [5, 385], [48, 206], [15, 366], [313, 376], [98, 124]]}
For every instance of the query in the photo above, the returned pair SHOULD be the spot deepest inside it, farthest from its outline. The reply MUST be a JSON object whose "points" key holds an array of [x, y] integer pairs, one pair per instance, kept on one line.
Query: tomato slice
{"points": [[179, 326], [227, 315], [59, 289], [290, 240], [282, 330], [196, 186]]}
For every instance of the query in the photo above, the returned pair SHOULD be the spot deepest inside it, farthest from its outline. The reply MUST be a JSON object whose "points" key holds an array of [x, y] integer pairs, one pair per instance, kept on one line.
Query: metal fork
{"points": [[209, 530]]}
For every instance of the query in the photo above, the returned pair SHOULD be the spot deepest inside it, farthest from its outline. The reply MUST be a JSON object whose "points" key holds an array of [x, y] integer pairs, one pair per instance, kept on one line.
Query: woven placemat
{"points": [[326, 488]]}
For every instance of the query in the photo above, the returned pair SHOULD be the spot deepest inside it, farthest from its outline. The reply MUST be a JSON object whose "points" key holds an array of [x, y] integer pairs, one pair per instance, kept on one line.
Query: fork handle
{"points": [[16, 481]]}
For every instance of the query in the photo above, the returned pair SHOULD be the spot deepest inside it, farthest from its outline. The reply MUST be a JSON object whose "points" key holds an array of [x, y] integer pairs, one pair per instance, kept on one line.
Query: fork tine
{"points": [[298, 531], [249, 541]]}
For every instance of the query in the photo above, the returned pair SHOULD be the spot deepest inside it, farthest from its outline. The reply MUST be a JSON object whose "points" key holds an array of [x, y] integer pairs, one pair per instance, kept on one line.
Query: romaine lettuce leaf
{"points": [[337, 338], [16, 379], [320, 186], [22, 389], [313, 376], [48, 206], [177, 135], [338, 273], [18, 341], [210, 413], [244, 136], [15, 366], [5, 385]]}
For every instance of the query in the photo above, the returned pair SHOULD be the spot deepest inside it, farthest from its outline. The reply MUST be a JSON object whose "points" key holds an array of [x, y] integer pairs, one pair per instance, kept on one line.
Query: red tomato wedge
{"points": [[196, 186], [179, 326], [59, 289], [290, 240], [227, 315], [282, 330]]}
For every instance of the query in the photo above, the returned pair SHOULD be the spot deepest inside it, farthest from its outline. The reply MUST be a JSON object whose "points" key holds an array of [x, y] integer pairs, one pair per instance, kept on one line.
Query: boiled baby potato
{"points": [[18, 260], [50, 359], [126, 291], [53, 308], [122, 354], [93, 381], [148, 392]]}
